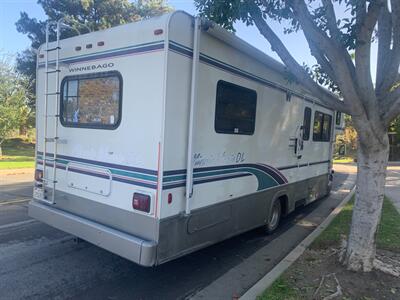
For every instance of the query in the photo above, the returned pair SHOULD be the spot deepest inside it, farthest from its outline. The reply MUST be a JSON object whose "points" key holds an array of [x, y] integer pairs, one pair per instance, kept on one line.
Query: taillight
{"points": [[38, 175], [141, 202], [169, 198], [158, 31]]}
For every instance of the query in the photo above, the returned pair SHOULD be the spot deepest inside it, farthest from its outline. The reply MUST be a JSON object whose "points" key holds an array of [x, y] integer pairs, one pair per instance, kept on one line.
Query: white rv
{"points": [[164, 136]]}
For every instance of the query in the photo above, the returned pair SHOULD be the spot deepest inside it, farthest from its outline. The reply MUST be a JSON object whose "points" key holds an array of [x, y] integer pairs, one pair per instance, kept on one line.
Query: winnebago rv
{"points": [[164, 136]]}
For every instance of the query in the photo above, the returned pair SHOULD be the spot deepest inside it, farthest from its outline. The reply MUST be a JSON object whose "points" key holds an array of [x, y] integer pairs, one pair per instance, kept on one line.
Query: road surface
{"points": [[39, 262]]}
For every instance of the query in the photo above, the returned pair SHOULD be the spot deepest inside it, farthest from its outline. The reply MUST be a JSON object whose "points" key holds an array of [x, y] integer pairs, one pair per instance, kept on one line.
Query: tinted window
{"points": [[322, 127], [91, 101], [306, 124], [235, 109], [338, 118]]}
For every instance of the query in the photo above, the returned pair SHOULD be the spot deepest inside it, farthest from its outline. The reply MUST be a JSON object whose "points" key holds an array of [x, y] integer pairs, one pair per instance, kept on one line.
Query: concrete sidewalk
{"points": [[393, 184]]}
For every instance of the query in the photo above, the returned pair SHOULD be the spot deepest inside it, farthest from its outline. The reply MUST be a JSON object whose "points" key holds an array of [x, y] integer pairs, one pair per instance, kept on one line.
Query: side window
{"points": [[338, 118], [235, 111], [306, 124], [322, 127], [91, 100], [326, 128]]}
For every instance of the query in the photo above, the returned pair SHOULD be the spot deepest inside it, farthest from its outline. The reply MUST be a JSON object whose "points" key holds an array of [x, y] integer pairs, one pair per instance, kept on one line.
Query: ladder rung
{"points": [[53, 71], [53, 116], [52, 49], [51, 140], [50, 159], [51, 94], [48, 180]]}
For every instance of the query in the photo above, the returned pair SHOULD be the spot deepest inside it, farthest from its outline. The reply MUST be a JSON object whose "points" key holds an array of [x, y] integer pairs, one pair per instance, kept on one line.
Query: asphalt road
{"points": [[40, 262]]}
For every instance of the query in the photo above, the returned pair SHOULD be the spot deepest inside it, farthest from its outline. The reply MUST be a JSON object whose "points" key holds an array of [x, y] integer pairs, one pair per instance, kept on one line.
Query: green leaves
{"points": [[13, 99]]}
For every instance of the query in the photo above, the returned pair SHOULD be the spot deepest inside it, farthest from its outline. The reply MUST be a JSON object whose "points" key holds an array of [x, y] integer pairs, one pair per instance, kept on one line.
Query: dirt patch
{"points": [[8, 177], [318, 274], [10, 172]]}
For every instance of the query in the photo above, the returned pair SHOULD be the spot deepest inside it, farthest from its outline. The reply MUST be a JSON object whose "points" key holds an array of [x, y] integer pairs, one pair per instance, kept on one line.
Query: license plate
{"points": [[38, 193]]}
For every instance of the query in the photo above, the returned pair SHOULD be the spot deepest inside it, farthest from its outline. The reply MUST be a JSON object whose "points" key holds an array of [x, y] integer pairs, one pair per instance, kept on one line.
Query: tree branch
{"points": [[331, 46], [390, 105], [392, 68], [322, 60], [344, 67], [311, 30], [365, 22], [331, 20], [396, 34], [384, 51], [298, 71], [336, 36], [394, 110]]}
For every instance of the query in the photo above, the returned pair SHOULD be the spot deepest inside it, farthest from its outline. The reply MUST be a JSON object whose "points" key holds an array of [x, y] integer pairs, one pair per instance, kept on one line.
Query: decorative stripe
{"points": [[121, 173], [200, 181], [188, 52], [267, 176], [319, 162], [136, 49], [103, 164], [99, 175], [303, 165]]}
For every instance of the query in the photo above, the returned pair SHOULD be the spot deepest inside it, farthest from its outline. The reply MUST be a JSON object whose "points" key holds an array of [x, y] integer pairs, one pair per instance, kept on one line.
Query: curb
{"points": [[285, 263]]}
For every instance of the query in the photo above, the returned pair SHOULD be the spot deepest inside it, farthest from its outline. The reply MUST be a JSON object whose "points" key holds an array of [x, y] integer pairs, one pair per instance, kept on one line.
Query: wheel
{"points": [[275, 217], [330, 182]]}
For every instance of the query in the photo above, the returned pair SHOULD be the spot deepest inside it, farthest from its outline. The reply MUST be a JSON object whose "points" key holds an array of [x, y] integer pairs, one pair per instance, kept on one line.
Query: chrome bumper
{"points": [[128, 246]]}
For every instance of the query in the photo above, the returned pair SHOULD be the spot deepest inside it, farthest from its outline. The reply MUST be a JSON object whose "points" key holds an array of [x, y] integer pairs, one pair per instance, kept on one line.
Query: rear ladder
{"points": [[50, 159]]}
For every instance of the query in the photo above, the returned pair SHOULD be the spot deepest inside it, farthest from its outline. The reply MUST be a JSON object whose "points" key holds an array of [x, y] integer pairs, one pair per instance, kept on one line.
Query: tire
{"points": [[274, 217]]}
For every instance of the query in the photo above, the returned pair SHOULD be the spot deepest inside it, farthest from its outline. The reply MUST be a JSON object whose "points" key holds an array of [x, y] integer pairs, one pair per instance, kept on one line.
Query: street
{"points": [[39, 262], [392, 189]]}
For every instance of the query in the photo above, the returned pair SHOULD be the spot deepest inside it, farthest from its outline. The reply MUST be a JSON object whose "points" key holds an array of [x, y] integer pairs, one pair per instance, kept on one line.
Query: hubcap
{"points": [[274, 217]]}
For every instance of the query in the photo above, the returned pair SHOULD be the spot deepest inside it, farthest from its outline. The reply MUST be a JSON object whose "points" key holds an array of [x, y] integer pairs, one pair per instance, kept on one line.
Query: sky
{"points": [[12, 42]]}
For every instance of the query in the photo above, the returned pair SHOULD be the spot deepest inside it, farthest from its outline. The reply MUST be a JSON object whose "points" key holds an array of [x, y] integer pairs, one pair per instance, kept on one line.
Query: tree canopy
{"points": [[14, 97]]}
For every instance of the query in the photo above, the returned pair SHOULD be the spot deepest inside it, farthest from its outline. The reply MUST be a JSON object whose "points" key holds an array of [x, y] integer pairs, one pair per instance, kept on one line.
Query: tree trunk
{"points": [[372, 162]]}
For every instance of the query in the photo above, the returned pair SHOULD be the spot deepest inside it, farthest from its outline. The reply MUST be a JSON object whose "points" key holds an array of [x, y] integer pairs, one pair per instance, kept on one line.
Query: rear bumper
{"points": [[140, 251]]}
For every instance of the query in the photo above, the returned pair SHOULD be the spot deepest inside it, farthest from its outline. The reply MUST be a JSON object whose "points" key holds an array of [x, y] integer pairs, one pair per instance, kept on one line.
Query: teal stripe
{"points": [[201, 174], [134, 175], [264, 180]]}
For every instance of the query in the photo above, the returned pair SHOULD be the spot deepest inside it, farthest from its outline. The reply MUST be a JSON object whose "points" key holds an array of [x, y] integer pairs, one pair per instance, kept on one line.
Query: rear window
{"points": [[91, 100], [235, 111]]}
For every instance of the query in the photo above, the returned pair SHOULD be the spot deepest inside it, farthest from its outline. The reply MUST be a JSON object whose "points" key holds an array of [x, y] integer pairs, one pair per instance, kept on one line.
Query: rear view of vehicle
{"points": [[99, 125]]}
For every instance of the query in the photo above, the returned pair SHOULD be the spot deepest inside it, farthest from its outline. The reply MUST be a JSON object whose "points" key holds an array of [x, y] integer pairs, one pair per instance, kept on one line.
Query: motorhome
{"points": [[163, 136]]}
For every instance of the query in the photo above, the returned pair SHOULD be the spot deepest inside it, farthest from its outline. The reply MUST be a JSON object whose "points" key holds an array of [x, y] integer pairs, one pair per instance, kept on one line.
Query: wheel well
{"points": [[284, 200]]}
